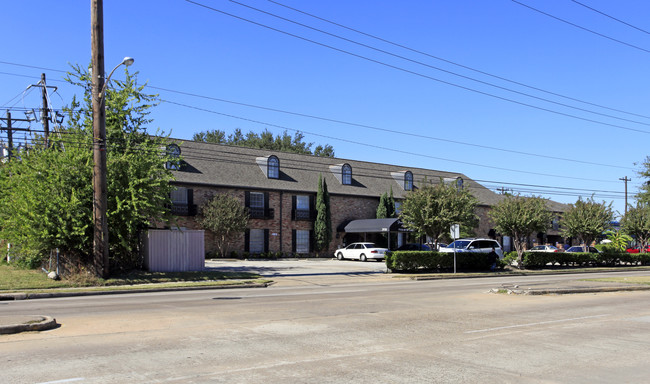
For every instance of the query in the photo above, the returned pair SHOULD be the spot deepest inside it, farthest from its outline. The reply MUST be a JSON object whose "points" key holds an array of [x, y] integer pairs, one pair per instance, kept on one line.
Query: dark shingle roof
{"points": [[231, 166]]}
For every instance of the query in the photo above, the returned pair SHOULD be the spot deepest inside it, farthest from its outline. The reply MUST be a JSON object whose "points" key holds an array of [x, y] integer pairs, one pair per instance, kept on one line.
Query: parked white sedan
{"points": [[361, 251]]}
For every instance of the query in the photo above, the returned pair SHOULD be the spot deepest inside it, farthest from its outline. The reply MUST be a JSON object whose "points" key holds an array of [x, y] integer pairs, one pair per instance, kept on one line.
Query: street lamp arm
{"points": [[127, 61]]}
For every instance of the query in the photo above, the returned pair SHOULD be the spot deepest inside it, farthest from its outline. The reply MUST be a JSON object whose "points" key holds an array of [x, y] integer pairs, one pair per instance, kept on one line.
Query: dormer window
{"points": [[459, 183], [342, 173], [173, 151], [273, 167], [408, 181], [346, 174]]}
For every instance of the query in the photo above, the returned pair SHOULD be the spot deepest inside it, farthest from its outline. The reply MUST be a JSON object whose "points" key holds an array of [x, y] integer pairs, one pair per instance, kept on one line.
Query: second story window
{"points": [[302, 207], [273, 170], [183, 202], [258, 205], [408, 181], [346, 174]]}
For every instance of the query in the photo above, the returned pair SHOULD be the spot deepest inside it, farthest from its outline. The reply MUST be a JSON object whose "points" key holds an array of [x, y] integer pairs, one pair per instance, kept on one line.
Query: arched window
{"points": [[346, 174], [273, 170], [408, 181], [173, 151], [459, 183]]}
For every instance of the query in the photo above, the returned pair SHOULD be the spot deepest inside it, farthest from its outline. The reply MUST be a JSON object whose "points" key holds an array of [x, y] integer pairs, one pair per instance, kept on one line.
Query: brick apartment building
{"points": [[280, 189]]}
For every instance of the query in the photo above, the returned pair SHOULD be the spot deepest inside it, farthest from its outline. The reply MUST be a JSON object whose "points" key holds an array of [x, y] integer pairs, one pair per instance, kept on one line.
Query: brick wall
{"points": [[343, 208]]}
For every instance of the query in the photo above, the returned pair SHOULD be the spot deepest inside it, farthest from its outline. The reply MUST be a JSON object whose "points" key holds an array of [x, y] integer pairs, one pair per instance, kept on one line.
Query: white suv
{"points": [[474, 245]]}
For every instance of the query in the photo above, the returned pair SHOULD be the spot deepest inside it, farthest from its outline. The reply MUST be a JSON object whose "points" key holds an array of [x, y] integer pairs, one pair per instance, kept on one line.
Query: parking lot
{"points": [[304, 271]]}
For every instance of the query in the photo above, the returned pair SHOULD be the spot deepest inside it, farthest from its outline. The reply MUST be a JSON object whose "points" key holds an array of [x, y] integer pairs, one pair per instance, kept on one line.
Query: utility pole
{"points": [[100, 201], [625, 179], [45, 117], [10, 130]]}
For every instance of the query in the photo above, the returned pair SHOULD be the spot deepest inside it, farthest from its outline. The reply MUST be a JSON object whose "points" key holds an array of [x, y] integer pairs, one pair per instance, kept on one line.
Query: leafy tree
{"points": [[637, 223], [323, 223], [47, 199], [644, 191], [432, 209], [587, 219], [265, 140], [519, 217], [225, 217], [619, 240]]}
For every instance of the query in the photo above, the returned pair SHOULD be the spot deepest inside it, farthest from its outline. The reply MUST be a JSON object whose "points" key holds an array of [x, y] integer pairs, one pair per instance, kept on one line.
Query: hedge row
{"points": [[541, 259], [411, 261]]}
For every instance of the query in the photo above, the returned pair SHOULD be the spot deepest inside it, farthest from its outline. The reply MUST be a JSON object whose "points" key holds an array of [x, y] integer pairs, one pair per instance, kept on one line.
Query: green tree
{"points": [[386, 207], [382, 208], [519, 217], [225, 217], [323, 223], [432, 209], [636, 222], [265, 140], [643, 195], [47, 196], [587, 219], [619, 240]]}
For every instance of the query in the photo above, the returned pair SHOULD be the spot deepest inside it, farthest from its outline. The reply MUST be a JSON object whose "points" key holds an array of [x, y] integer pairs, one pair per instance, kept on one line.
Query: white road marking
{"points": [[63, 381], [533, 324]]}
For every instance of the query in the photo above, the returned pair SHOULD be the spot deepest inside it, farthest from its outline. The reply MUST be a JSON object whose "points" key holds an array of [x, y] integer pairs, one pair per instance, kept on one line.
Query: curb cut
{"points": [[44, 324]]}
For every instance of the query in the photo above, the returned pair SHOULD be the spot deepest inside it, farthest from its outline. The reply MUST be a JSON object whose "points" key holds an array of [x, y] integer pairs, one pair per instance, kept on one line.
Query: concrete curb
{"points": [[566, 291], [36, 323], [47, 295]]}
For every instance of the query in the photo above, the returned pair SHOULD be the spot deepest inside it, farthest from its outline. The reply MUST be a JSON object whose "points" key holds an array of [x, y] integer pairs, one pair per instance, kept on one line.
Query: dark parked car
{"points": [[582, 249], [414, 247]]}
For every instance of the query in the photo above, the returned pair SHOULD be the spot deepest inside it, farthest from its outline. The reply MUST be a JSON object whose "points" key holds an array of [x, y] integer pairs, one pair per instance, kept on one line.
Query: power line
{"points": [[421, 74], [611, 17], [378, 129], [440, 69], [454, 63], [391, 130], [378, 147], [581, 27]]}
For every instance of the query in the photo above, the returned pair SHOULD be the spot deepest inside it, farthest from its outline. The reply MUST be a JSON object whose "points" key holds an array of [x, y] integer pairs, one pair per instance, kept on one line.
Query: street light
{"points": [[127, 61], [100, 200]]}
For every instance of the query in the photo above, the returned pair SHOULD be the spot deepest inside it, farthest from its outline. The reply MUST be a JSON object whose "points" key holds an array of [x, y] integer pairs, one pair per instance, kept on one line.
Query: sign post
{"points": [[454, 231]]}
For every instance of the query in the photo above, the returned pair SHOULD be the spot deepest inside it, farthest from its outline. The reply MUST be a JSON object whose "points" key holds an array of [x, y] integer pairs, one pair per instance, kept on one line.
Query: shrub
{"points": [[412, 261]]}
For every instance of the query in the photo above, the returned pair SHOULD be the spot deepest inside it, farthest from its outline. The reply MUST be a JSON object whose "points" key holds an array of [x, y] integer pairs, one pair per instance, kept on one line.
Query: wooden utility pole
{"points": [[625, 179], [10, 129], [100, 203], [46, 107]]}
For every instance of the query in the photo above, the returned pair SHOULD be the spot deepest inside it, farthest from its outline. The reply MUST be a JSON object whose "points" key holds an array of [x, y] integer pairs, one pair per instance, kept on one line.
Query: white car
{"points": [[544, 248], [474, 245], [361, 251]]}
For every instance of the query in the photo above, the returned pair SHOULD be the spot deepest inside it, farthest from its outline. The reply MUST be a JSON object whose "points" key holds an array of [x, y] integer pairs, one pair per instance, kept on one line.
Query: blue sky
{"points": [[480, 110]]}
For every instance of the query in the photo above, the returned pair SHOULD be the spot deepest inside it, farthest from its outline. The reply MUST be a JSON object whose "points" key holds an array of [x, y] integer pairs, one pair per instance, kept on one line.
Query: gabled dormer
{"points": [[342, 172], [270, 165], [404, 179]]}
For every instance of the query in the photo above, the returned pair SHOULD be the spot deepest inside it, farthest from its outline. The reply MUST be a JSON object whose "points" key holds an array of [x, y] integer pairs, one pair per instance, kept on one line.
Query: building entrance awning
{"points": [[373, 226]]}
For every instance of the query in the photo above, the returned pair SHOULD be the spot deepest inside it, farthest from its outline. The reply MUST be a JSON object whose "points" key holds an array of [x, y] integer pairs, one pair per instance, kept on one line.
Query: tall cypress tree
{"points": [[323, 224], [382, 211]]}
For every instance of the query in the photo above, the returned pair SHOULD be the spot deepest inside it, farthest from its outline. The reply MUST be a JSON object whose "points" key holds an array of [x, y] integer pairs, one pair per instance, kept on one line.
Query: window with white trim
{"points": [[273, 167], [346, 174], [408, 181]]}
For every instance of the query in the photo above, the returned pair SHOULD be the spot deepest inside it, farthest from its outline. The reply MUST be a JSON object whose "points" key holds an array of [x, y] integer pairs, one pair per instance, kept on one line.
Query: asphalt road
{"points": [[361, 330]]}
